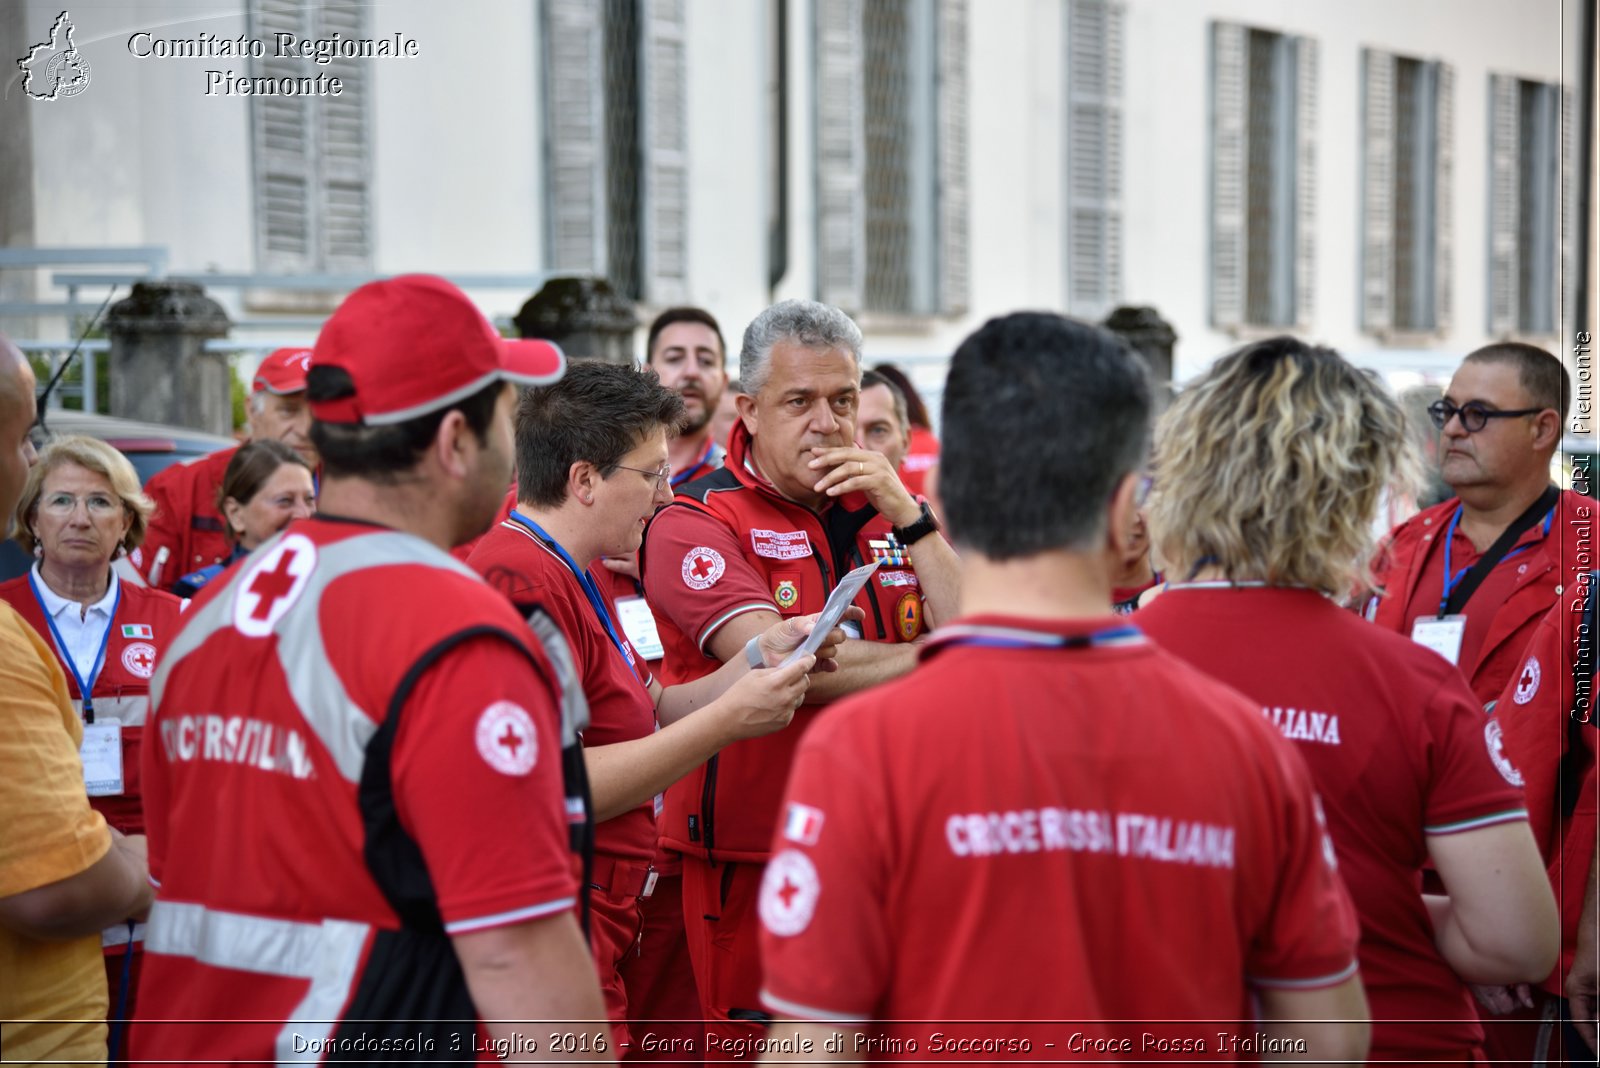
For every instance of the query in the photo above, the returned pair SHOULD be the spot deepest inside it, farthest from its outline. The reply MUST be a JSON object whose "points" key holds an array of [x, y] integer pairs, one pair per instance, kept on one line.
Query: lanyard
{"points": [[694, 469], [1451, 579], [591, 589], [991, 637], [85, 687]]}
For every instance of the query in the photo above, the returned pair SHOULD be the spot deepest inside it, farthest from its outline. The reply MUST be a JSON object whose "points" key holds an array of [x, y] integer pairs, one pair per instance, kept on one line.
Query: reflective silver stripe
{"points": [[808, 1012], [128, 711], [343, 727], [118, 935], [327, 953]]}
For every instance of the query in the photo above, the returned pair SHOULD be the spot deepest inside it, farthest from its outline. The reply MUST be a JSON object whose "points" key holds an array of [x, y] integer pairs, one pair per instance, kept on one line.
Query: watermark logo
{"points": [[55, 68]]}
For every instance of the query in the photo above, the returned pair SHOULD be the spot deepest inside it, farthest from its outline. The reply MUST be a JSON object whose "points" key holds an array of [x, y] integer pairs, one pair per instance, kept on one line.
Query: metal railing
{"points": [[85, 388]]}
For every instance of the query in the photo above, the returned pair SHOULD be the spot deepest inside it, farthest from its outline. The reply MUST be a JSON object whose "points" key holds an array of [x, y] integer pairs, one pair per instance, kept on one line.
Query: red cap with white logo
{"points": [[283, 371], [414, 344]]}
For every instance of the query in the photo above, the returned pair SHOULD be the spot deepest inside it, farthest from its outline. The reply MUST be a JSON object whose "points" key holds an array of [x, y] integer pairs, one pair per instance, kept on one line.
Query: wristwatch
{"points": [[926, 524]]}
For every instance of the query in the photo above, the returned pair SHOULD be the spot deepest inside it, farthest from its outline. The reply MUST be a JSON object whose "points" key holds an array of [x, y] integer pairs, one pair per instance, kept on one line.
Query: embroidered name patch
{"points": [[781, 544], [897, 578]]}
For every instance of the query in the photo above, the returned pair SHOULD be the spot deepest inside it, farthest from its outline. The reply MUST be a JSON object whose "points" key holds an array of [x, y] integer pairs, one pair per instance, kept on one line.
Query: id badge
{"points": [[101, 754], [639, 624], [1442, 635]]}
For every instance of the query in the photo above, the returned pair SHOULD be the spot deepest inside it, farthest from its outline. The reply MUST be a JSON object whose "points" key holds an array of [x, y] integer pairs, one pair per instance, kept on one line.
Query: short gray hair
{"points": [[807, 323]]}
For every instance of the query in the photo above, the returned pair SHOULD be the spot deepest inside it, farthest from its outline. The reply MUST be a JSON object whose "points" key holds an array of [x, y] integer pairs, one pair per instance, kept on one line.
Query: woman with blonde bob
{"points": [[1268, 472], [81, 507]]}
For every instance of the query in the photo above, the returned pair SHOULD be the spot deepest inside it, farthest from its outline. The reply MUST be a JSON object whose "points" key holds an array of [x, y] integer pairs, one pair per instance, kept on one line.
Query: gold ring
{"points": [[861, 468]]}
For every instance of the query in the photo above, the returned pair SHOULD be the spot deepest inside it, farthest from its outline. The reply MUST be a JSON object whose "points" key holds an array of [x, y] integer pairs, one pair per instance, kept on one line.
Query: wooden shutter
{"points": [[1377, 171], [1504, 203], [665, 126], [575, 224], [951, 195], [1305, 184], [284, 141], [344, 223], [841, 155], [1444, 130], [1229, 151], [1094, 157]]}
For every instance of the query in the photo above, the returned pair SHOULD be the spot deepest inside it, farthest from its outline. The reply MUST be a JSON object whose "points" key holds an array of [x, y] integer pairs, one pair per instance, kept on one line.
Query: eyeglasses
{"points": [[1475, 415], [661, 476], [96, 504]]}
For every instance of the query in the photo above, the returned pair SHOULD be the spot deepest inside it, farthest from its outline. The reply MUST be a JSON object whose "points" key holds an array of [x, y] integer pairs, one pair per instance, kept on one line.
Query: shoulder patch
{"points": [[789, 892], [1527, 682], [1494, 741], [506, 738], [702, 567]]}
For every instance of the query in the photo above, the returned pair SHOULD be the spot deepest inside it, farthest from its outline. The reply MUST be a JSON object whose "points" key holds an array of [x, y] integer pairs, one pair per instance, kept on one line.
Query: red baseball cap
{"points": [[283, 371], [414, 344]]}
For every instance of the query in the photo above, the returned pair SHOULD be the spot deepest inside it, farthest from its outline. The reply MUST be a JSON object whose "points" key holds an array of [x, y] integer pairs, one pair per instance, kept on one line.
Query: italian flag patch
{"points": [[137, 630]]}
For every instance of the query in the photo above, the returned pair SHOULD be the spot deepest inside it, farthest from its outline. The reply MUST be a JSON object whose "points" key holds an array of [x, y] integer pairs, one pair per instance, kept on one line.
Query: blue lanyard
{"points": [[695, 468], [1452, 579], [991, 637], [85, 687], [591, 589]]}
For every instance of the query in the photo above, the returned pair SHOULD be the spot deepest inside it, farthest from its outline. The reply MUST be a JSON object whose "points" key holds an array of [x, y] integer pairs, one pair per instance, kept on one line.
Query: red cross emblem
{"points": [[1527, 681], [702, 567], [272, 586], [506, 738], [139, 659], [789, 891]]}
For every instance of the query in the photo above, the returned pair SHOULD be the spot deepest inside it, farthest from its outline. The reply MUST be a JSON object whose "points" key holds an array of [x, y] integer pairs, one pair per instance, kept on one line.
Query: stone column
{"points": [[585, 316], [1152, 337], [160, 371]]}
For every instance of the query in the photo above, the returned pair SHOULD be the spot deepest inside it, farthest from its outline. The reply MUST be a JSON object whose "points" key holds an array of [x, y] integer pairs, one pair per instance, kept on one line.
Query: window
{"points": [[1094, 157], [1263, 191], [1530, 237], [312, 153], [891, 155], [616, 139], [1407, 167]]}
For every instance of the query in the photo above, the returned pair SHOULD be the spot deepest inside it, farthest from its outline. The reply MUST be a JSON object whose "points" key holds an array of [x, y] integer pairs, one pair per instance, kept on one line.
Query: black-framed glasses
{"points": [[662, 475], [1475, 415]]}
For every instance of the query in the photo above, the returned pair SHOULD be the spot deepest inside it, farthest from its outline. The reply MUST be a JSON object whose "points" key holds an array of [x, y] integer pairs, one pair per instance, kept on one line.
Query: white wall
{"points": [[143, 157]]}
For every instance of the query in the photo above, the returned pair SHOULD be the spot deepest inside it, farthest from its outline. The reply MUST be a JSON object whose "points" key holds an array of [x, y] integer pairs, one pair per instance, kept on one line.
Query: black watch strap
{"points": [[925, 524]]}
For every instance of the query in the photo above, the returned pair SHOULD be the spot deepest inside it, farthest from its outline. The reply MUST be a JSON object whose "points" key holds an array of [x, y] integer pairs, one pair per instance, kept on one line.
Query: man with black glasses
{"points": [[1471, 577]]}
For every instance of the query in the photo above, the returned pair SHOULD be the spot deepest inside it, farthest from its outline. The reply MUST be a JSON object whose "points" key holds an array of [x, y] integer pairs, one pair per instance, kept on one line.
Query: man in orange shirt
{"points": [[64, 874]]}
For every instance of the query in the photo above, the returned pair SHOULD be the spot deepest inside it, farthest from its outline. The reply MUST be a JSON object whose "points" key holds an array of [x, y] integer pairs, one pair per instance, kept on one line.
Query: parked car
{"points": [[152, 447]]}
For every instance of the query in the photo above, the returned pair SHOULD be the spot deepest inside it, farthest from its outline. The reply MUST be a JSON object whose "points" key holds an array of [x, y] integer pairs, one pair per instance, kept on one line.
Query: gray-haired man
{"points": [[795, 507]]}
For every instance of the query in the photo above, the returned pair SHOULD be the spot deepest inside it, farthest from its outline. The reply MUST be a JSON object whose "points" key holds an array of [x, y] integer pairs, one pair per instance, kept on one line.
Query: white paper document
{"points": [[838, 601]]}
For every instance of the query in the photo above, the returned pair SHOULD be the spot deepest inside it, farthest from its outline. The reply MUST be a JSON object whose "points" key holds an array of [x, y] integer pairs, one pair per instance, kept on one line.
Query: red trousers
{"points": [[664, 1012], [723, 929]]}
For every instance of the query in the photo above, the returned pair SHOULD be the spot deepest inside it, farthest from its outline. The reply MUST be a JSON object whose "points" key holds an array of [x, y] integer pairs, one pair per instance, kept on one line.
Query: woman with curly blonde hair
{"points": [[1269, 470]]}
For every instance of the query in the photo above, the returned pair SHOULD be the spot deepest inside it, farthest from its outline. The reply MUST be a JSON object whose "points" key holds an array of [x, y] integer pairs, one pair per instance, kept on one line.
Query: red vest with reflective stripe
{"points": [[146, 621], [237, 850]]}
